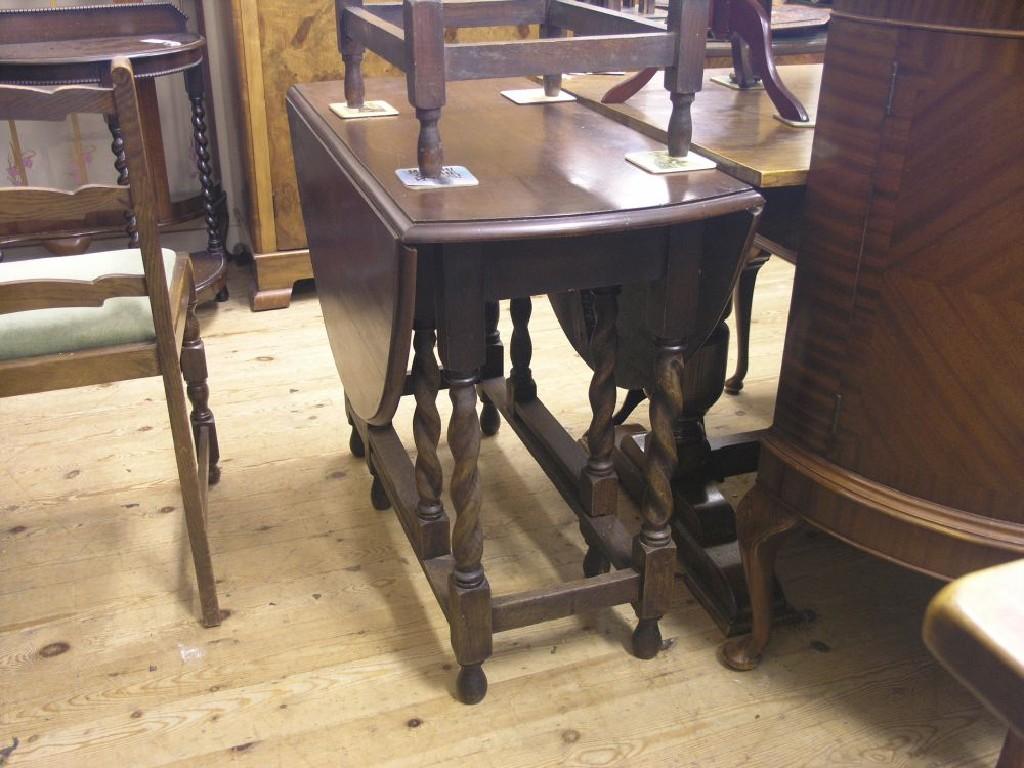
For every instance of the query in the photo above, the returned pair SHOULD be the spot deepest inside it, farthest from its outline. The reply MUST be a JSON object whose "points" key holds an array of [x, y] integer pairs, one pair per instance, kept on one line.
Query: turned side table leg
{"points": [[490, 419], [196, 90], [599, 485], [469, 592], [431, 538], [742, 308], [761, 526], [654, 552], [521, 386], [121, 166]]}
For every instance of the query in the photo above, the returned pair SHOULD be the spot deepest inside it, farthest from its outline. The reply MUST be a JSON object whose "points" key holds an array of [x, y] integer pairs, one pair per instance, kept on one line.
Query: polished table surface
{"points": [[556, 161], [735, 128]]}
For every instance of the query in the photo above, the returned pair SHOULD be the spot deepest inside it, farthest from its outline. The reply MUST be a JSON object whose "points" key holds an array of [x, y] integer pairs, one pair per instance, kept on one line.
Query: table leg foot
{"points": [[471, 684], [646, 639], [595, 563], [490, 419], [735, 654], [378, 497], [355, 444]]}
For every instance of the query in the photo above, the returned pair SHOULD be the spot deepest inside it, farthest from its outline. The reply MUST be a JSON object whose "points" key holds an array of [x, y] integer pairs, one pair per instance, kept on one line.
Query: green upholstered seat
{"points": [[125, 320]]}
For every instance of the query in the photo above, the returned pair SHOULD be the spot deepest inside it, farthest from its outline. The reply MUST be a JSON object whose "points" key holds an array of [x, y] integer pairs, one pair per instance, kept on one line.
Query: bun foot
{"points": [[355, 444], [594, 563], [736, 654], [490, 419], [471, 684], [378, 497], [646, 639]]}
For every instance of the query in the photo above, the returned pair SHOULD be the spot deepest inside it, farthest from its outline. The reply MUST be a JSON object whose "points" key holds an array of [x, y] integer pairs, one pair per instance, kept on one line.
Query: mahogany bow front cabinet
{"points": [[899, 425], [557, 208]]}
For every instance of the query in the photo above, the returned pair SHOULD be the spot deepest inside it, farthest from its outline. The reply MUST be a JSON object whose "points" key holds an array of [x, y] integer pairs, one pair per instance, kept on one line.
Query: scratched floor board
{"points": [[335, 653]]}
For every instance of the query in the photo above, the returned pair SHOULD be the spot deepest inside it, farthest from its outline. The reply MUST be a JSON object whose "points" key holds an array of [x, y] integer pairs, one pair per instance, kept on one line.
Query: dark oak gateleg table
{"points": [[738, 130], [76, 44], [557, 209]]}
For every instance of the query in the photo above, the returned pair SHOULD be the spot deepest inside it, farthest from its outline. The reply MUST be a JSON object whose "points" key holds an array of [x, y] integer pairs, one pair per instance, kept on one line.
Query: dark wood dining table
{"points": [[557, 208]]}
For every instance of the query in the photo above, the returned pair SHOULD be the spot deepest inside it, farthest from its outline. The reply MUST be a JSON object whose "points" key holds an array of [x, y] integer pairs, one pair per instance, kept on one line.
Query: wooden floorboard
{"points": [[335, 653]]}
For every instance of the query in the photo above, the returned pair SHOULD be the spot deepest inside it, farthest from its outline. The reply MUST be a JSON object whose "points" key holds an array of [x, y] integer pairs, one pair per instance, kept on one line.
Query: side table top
{"points": [[544, 169], [75, 44], [98, 49], [735, 128]]}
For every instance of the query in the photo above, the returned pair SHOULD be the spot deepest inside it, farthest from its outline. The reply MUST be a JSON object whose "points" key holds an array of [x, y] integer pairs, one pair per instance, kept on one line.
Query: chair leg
{"points": [[760, 527], [743, 305], [193, 369], [193, 496]]}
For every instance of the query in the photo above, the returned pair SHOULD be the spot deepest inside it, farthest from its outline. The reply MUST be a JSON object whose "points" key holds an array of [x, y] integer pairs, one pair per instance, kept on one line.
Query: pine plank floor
{"points": [[335, 654]]}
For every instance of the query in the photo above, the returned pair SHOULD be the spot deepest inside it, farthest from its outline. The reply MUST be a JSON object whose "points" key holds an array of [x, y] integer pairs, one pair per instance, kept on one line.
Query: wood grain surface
{"points": [[975, 627], [536, 162], [735, 128], [334, 652]]}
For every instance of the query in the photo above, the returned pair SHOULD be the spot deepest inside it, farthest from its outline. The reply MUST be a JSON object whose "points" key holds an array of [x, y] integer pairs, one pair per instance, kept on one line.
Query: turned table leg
{"points": [[431, 536], [599, 485], [490, 419], [469, 592], [521, 386], [196, 89], [654, 552]]}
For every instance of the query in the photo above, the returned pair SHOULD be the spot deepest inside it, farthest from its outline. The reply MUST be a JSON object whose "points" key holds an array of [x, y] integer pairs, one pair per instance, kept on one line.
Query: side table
{"points": [[74, 45]]}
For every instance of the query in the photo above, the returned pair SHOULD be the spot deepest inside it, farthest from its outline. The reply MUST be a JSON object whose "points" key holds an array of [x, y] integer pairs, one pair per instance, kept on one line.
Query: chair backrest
{"points": [[134, 195]]}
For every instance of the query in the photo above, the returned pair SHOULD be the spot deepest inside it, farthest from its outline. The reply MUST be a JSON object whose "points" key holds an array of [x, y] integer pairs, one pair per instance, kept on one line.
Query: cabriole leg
{"points": [[760, 529], [742, 309]]}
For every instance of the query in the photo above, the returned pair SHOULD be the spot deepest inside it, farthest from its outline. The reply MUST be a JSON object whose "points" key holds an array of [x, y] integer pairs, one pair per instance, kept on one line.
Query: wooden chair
{"points": [[410, 35], [975, 628], [94, 318]]}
